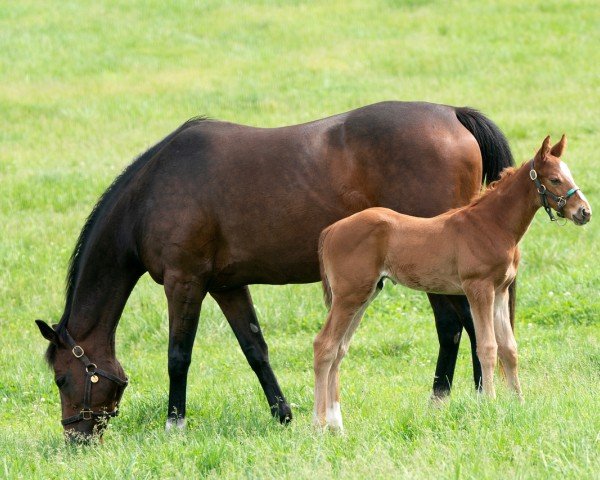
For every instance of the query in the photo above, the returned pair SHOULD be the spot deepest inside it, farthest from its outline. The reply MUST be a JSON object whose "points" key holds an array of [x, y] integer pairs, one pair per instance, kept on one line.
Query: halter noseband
{"points": [[92, 372], [544, 193]]}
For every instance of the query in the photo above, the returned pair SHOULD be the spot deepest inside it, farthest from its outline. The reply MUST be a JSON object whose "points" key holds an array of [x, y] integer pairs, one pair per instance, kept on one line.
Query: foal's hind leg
{"points": [[239, 311], [507, 345], [326, 347], [184, 295], [334, 412]]}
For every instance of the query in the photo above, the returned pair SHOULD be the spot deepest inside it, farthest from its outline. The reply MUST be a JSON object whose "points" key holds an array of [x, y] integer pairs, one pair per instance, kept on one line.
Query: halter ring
{"points": [[91, 368]]}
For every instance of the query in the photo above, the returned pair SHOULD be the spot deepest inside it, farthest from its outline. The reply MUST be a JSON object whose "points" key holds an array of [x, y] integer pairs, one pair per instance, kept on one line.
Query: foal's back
{"points": [[378, 242]]}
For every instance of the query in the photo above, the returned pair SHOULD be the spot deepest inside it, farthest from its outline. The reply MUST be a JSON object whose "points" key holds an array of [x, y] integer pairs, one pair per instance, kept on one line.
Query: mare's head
{"points": [[90, 381], [556, 185]]}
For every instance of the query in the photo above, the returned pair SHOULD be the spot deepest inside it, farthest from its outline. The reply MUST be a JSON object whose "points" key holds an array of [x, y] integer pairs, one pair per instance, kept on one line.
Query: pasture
{"points": [[87, 86]]}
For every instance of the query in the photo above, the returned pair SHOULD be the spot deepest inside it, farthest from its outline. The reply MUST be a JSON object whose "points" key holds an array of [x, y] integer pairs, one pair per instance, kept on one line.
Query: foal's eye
{"points": [[555, 181], [60, 381]]}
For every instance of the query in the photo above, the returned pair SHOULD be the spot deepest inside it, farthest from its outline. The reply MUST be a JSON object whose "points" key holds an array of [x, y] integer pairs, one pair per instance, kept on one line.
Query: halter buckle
{"points": [[86, 414], [78, 351]]}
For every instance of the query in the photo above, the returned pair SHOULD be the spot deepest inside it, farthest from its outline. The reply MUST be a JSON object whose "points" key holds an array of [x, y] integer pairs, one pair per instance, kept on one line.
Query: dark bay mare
{"points": [[217, 206]]}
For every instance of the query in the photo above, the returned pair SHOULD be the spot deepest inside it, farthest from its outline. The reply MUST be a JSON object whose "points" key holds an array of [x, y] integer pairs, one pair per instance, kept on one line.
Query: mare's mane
{"points": [[106, 200]]}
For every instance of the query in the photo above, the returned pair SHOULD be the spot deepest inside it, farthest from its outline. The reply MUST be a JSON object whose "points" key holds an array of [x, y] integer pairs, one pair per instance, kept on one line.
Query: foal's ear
{"points": [[47, 331], [560, 147], [544, 150]]}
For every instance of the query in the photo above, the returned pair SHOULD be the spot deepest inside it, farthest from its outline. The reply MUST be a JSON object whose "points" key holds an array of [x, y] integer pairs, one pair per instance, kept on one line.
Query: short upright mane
{"points": [[504, 174], [106, 199]]}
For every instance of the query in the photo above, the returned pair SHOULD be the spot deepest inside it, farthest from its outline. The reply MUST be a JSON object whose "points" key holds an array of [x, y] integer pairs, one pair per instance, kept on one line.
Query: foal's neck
{"points": [[512, 204]]}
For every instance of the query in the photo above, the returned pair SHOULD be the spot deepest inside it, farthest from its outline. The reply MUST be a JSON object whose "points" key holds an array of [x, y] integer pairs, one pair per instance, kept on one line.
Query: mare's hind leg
{"points": [[449, 330], [239, 311], [184, 295], [507, 345], [452, 313], [462, 307]]}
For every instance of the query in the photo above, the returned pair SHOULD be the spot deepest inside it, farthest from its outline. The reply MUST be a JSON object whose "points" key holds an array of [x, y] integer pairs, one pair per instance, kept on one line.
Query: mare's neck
{"points": [[512, 205], [99, 297]]}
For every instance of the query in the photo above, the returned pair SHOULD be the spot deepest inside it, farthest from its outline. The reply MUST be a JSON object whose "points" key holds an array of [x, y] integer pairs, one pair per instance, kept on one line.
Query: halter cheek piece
{"points": [[91, 373], [544, 193]]}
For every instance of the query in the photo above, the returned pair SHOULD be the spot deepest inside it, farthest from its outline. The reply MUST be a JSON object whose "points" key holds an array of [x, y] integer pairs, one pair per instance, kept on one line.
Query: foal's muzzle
{"points": [[582, 216]]}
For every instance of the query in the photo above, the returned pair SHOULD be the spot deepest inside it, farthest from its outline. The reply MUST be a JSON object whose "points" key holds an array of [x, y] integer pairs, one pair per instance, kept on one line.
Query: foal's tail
{"points": [[327, 296], [495, 156], [495, 151]]}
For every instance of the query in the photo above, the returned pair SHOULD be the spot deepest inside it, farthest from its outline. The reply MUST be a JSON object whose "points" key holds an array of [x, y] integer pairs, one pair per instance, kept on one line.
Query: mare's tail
{"points": [[495, 151], [326, 287]]}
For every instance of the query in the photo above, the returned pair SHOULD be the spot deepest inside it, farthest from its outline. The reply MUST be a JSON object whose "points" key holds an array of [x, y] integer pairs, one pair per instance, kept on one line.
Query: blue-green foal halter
{"points": [[544, 193]]}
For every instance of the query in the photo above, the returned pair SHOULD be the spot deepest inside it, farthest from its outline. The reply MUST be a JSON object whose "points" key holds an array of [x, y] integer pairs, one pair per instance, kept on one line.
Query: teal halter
{"points": [[544, 193]]}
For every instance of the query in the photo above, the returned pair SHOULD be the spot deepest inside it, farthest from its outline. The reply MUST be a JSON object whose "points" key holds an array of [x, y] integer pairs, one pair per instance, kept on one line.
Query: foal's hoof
{"points": [[175, 424], [283, 412]]}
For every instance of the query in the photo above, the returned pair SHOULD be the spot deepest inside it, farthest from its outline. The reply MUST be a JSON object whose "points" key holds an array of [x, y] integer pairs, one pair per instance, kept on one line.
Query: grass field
{"points": [[86, 86]]}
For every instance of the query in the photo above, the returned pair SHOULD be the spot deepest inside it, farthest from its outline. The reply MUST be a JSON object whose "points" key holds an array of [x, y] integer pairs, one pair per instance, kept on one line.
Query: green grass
{"points": [[86, 86]]}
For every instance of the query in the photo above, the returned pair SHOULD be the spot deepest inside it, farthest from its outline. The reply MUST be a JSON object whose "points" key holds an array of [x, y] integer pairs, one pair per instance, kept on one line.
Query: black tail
{"points": [[495, 151]]}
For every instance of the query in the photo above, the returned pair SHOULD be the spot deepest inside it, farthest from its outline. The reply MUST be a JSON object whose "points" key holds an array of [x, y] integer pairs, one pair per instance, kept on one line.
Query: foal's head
{"points": [[90, 381], [556, 183]]}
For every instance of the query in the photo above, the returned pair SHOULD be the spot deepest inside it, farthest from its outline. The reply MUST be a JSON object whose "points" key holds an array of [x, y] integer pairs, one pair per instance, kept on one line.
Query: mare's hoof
{"points": [[175, 424], [437, 400], [283, 412]]}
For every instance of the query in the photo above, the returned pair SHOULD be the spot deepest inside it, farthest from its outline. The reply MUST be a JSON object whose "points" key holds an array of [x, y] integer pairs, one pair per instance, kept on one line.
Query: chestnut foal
{"points": [[471, 250]]}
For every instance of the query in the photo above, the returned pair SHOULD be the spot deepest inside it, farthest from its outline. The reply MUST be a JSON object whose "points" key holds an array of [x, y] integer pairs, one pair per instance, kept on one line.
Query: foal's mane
{"points": [[504, 175], [107, 199]]}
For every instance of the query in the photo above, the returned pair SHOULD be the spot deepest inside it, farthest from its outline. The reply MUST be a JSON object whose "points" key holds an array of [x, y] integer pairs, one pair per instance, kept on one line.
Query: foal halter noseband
{"points": [[91, 376], [544, 193]]}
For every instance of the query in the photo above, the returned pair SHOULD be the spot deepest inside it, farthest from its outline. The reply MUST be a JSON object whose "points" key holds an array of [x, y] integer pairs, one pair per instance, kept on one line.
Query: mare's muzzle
{"points": [[92, 372]]}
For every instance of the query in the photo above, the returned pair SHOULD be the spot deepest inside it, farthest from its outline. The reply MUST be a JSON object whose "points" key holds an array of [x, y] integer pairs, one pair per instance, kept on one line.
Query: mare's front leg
{"points": [[237, 307], [184, 296], [480, 294], [507, 345]]}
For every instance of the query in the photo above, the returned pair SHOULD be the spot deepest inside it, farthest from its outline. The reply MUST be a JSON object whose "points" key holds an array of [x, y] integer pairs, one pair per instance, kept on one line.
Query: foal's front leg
{"points": [[481, 298], [507, 345]]}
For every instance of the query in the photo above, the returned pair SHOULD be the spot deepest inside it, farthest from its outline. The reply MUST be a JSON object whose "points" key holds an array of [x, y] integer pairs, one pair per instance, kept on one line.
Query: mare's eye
{"points": [[60, 381], [555, 181]]}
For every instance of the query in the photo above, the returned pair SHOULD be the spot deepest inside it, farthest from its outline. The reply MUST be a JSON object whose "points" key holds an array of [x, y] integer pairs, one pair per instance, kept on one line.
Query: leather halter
{"points": [[92, 372], [544, 193]]}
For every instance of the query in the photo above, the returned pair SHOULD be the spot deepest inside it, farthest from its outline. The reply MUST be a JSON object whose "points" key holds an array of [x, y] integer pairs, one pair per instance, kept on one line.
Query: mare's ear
{"points": [[544, 150], [560, 147], [47, 332]]}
